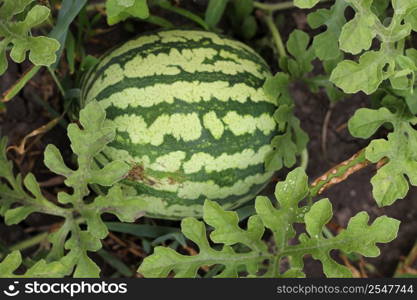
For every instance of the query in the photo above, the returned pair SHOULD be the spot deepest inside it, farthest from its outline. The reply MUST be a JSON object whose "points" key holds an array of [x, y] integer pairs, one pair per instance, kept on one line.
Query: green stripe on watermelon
{"points": [[227, 144], [157, 47], [118, 63], [199, 77], [181, 207], [150, 114]]}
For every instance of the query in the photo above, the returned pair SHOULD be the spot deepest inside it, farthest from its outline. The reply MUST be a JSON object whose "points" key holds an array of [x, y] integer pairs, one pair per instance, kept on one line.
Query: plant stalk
{"points": [[339, 173], [30, 242], [57, 82], [275, 35], [277, 6]]}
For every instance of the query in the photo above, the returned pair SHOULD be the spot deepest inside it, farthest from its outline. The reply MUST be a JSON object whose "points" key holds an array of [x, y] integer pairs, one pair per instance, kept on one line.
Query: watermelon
{"points": [[192, 119]]}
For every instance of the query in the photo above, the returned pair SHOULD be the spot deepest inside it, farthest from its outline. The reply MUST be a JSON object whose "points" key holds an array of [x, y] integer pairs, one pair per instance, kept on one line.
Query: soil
{"points": [[25, 114]]}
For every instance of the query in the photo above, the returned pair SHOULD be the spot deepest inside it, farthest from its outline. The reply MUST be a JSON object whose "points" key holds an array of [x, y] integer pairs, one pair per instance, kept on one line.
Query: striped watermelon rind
{"points": [[191, 116]]}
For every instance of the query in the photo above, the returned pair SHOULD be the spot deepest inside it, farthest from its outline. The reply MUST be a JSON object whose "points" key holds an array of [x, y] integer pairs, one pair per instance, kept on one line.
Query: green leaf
{"points": [[284, 153], [18, 33], [17, 215], [286, 147], [358, 237], [79, 243], [127, 209], [411, 100], [214, 12], [58, 239], [358, 33], [3, 58], [411, 18], [96, 133], [13, 7], [120, 10], [165, 260], [40, 269], [326, 44], [365, 122], [14, 193], [54, 161], [227, 230], [390, 183], [86, 268], [288, 193], [36, 15], [305, 3], [274, 85], [283, 115], [297, 46], [10, 264], [366, 75], [86, 141], [387, 62], [110, 174], [294, 188], [293, 140]]}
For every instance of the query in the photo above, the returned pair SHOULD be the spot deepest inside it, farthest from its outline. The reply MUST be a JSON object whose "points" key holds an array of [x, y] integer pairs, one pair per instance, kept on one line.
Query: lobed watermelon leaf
{"points": [[41, 269], [297, 46], [14, 192], [18, 34], [86, 142], [291, 139], [390, 61], [326, 44], [359, 237], [389, 183]]}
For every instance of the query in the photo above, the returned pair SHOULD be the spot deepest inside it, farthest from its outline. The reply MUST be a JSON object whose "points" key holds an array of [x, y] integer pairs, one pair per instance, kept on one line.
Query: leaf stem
{"points": [[277, 6], [39, 237], [339, 173], [275, 35], [405, 265], [304, 159], [30, 242], [276, 266], [20, 83], [58, 83], [183, 12]]}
